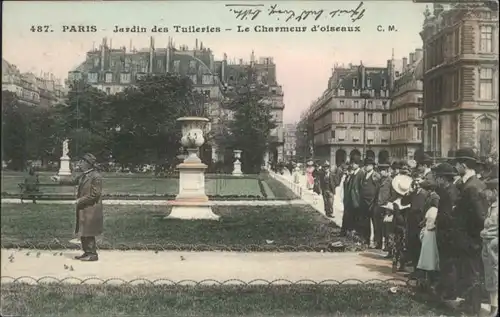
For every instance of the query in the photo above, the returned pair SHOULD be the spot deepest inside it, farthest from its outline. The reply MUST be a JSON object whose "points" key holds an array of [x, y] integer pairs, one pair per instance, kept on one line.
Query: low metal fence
{"points": [[205, 282]]}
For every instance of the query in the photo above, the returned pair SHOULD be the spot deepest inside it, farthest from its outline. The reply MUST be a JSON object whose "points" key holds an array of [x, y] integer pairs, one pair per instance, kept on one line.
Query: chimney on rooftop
{"points": [[412, 58], [405, 63], [418, 54]]}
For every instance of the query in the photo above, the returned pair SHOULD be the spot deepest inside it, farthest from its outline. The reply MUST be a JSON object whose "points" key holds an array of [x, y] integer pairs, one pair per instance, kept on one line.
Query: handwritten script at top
{"points": [[252, 11]]}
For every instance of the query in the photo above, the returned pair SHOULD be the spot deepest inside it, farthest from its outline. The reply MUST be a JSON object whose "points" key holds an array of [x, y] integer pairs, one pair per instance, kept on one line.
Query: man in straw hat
{"points": [[401, 185], [470, 212], [89, 214], [446, 232]]}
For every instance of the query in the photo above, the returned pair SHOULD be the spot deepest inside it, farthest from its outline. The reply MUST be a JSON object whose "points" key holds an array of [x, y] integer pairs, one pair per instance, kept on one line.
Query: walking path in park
{"points": [[195, 266], [311, 197]]}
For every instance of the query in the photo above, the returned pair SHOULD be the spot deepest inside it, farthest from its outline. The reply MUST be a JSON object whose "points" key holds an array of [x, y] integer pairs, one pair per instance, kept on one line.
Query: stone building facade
{"points": [[407, 107], [44, 90], [353, 115], [460, 79]]}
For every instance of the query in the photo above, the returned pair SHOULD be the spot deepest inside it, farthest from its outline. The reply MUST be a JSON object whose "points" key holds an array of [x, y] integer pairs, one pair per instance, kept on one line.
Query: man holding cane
{"points": [[89, 214]]}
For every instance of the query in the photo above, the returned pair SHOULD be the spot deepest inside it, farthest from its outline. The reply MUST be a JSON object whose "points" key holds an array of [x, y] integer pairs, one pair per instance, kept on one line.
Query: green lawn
{"points": [[297, 300], [223, 186], [240, 227]]}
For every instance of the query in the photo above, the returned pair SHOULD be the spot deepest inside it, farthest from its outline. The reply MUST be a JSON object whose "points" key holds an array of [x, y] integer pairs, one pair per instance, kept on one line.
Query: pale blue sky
{"points": [[304, 60]]}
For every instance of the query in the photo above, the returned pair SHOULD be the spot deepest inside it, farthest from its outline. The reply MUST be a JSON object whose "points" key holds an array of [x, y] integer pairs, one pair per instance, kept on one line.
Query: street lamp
{"points": [[365, 95]]}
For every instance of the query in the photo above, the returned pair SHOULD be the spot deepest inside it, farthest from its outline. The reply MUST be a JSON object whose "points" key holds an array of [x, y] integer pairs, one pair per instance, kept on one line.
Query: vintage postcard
{"points": [[249, 158]]}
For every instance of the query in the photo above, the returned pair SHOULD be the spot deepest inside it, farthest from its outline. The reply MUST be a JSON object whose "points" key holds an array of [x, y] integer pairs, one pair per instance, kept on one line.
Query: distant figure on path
{"points": [[31, 185], [89, 214], [309, 175]]}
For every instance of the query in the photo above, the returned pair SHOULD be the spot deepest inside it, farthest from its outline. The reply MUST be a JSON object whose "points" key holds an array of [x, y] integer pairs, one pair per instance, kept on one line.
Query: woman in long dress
{"points": [[429, 254], [309, 175]]}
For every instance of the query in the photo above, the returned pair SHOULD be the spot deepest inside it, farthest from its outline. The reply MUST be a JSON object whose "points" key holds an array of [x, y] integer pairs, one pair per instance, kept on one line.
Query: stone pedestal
{"points": [[192, 202], [64, 168], [237, 164]]}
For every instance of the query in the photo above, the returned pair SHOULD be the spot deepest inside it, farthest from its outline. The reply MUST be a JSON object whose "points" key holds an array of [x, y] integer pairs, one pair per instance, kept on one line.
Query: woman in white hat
{"points": [[309, 175], [401, 185]]}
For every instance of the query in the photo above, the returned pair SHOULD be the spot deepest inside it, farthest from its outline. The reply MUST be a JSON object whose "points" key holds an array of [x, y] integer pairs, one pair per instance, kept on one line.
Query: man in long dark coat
{"points": [[89, 213], [328, 182], [470, 213], [383, 197], [352, 193], [446, 230], [369, 188], [424, 165], [347, 217]]}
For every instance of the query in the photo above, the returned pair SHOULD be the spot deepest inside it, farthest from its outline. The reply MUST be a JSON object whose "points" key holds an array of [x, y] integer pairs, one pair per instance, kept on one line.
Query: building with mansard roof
{"points": [[460, 79], [353, 115], [113, 69]]}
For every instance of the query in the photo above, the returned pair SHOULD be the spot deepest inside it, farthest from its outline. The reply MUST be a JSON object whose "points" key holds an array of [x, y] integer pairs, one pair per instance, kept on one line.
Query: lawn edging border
{"points": [[165, 202]]}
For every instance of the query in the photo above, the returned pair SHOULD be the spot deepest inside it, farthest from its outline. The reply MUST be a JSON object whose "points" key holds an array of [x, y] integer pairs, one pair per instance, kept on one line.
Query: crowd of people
{"points": [[437, 221]]}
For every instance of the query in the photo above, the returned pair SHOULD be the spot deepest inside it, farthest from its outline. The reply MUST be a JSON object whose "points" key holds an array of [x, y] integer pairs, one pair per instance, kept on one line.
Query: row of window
{"points": [[404, 114], [356, 135], [383, 93], [407, 133], [356, 104], [358, 118], [368, 82], [448, 45], [485, 136], [125, 78], [437, 87], [27, 94]]}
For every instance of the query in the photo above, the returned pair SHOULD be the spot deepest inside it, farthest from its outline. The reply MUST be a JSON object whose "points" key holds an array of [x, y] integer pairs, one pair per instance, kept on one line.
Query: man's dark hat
{"points": [[356, 159], [425, 159], [369, 161], [444, 169], [90, 158], [383, 166], [465, 154], [492, 183], [396, 165]]}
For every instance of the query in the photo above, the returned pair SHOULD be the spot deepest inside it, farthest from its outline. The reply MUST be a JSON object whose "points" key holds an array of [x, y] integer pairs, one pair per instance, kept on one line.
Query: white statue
{"points": [[65, 148]]}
